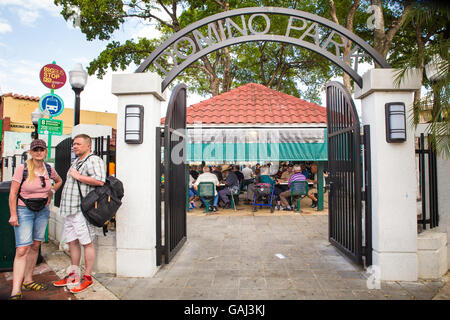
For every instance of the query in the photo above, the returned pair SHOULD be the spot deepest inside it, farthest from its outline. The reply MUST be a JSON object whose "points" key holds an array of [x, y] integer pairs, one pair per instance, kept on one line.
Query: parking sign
{"points": [[51, 104]]}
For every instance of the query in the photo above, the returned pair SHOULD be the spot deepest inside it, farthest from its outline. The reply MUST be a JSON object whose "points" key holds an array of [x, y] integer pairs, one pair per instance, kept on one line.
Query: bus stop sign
{"points": [[51, 104]]}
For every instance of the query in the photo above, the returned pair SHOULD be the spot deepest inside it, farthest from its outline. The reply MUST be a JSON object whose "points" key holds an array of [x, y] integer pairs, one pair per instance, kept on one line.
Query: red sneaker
{"points": [[86, 282], [63, 282]]}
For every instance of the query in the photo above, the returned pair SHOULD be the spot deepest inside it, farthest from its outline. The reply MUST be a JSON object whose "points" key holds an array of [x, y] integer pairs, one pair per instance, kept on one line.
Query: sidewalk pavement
{"points": [[54, 268], [229, 258]]}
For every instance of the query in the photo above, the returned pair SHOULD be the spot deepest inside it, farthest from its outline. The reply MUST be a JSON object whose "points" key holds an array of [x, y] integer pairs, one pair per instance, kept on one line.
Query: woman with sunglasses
{"points": [[29, 226]]}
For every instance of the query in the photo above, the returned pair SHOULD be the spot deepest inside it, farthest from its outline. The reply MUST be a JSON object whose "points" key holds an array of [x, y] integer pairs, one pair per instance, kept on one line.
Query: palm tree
{"points": [[429, 25]]}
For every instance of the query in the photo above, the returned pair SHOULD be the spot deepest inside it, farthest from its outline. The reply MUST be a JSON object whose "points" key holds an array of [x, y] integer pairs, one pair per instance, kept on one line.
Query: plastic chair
{"points": [[206, 191], [259, 189], [299, 189]]}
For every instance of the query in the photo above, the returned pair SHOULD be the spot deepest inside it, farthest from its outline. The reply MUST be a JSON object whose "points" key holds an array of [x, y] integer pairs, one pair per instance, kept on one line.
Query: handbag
{"points": [[34, 204]]}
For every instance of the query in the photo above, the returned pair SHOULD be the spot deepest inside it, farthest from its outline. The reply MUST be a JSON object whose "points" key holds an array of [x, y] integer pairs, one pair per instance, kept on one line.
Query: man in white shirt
{"points": [[248, 175], [207, 176]]}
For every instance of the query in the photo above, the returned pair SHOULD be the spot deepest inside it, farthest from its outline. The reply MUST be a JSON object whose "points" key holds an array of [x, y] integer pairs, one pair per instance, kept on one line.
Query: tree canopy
{"points": [[405, 32]]}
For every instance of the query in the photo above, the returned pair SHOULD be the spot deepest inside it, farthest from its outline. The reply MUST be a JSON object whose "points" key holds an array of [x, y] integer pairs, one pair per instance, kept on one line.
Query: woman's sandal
{"points": [[35, 286], [16, 296]]}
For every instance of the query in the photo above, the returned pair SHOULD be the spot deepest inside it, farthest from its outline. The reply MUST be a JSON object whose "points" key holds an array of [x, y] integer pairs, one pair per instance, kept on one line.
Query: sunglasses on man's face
{"points": [[42, 181]]}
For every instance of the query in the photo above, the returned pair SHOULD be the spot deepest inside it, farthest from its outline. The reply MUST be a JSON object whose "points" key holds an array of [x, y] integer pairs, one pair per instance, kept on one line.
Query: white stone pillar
{"points": [[135, 167], [394, 186]]}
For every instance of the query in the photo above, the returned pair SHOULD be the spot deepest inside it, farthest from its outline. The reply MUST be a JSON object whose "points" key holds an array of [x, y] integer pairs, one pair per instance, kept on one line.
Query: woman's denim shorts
{"points": [[32, 225]]}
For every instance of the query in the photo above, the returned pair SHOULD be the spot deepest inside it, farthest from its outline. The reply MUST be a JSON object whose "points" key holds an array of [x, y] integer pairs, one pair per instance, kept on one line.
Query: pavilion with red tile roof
{"points": [[256, 104], [253, 123]]}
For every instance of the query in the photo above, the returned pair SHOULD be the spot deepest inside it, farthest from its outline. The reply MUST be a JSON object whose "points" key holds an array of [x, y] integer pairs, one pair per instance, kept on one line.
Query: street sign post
{"points": [[52, 76], [50, 126]]}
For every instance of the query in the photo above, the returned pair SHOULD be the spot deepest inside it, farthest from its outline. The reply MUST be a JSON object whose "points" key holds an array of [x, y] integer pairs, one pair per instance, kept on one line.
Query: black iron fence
{"points": [[103, 149], [428, 192]]}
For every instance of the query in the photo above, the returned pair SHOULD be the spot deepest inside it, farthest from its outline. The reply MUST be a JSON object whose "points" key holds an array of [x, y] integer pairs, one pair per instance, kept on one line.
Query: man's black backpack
{"points": [[101, 204]]}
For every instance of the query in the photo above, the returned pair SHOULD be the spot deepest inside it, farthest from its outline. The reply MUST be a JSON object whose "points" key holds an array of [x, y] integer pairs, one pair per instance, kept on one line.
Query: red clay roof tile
{"points": [[19, 96], [254, 104]]}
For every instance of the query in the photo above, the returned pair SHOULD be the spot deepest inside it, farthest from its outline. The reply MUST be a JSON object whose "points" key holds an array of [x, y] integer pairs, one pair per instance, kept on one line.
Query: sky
{"points": [[34, 34]]}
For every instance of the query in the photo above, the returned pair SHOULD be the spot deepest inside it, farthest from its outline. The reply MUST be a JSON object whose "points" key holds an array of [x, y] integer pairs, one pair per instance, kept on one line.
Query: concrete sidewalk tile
{"points": [[199, 282], [300, 274], [330, 284], [223, 293], [252, 282], [142, 293], [194, 294], [225, 282], [311, 294], [283, 294], [346, 274], [369, 295], [119, 286], [306, 284], [254, 294], [327, 275], [340, 294], [279, 283]]}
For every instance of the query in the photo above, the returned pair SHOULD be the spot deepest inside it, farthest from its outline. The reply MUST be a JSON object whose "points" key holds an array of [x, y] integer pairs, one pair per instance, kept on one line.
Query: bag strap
{"points": [[25, 176], [78, 168]]}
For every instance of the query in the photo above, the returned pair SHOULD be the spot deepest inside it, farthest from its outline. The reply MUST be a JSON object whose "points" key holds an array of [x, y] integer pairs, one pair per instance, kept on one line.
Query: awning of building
{"points": [[256, 145]]}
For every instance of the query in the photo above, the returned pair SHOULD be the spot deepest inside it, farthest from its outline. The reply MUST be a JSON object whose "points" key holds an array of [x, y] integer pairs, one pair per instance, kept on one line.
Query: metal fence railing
{"points": [[428, 192]]}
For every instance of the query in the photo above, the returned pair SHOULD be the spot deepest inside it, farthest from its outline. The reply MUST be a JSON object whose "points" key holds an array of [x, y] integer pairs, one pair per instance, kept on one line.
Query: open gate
{"points": [[171, 229], [349, 227]]}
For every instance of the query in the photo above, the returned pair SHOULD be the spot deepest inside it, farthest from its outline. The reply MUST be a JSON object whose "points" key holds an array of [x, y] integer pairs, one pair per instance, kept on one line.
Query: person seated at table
{"points": [[207, 176], [263, 178], [305, 170], [238, 173], [257, 167], [297, 176], [192, 192], [312, 193], [193, 172], [282, 169], [231, 184], [247, 172], [279, 188], [217, 170]]}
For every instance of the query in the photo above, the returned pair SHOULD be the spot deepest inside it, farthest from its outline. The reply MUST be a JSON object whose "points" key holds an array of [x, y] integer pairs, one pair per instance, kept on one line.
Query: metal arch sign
{"points": [[218, 31], [52, 76], [51, 104]]}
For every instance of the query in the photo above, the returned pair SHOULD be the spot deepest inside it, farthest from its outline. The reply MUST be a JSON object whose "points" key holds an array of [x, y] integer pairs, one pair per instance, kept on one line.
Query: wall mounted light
{"points": [[134, 124], [395, 122]]}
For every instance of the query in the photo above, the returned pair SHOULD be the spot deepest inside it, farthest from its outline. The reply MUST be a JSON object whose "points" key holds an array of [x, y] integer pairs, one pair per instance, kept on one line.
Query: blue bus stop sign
{"points": [[51, 104]]}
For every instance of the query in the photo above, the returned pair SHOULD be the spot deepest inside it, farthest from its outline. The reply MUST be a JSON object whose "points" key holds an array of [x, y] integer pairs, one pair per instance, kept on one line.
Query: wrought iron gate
{"points": [[172, 229], [346, 229]]}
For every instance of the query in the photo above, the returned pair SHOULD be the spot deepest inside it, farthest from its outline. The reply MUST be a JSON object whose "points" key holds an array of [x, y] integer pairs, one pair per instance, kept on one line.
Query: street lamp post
{"points": [[78, 79], [35, 115]]}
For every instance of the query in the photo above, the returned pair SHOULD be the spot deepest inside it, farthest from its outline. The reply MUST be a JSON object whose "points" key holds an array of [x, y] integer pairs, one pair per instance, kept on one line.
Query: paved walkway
{"points": [[235, 255], [261, 257]]}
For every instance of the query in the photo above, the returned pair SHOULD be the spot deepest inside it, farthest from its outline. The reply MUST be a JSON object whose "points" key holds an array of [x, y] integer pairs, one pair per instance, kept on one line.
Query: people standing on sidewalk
{"points": [[90, 171], [29, 218]]}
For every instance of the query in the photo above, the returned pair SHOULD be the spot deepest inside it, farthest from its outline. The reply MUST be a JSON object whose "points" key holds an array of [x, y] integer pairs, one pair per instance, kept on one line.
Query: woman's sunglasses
{"points": [[42, 181]]}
